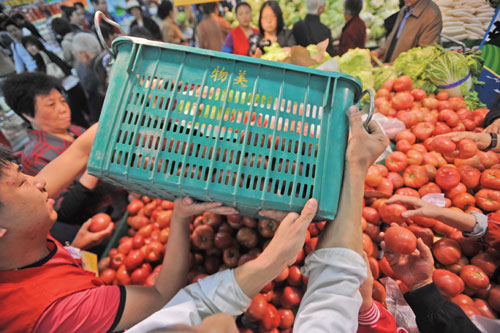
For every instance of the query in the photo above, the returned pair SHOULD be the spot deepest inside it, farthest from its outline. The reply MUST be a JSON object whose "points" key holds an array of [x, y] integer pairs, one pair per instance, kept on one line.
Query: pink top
{"points": [[93, 310]]}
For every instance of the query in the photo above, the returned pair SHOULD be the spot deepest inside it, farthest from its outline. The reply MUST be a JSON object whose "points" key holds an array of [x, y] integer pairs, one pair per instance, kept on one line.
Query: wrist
{"points": [[419, 284], [483, 140], [366, 305]]}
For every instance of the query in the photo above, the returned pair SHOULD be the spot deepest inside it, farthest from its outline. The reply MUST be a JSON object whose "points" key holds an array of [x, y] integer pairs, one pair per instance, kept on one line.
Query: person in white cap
{"points": [[134, 8]]}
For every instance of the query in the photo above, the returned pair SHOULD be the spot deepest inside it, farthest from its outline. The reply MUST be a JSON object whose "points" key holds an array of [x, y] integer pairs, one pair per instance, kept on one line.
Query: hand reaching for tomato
{"points": [[414, 270], [494, 127], [86, 239], [187, 207], [482, 140]]}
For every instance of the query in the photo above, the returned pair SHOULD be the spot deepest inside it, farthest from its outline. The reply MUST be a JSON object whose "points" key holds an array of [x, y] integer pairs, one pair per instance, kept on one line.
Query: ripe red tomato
{"points": [[485, 309], [371, 215], [462, 299], [392, 213], [373, 176], [385, 186], [396, 179], [368, 246], [415, 176], [469, 246], [464, 200], [385, 268], [421, 232], [418, 94], [402, 83], [406, 135], [441, 128], [414, 157], [257, 309], [469, 175], [491, 179], [423, 130], [443, 145], [494, 297], [466, 148], [457, 267], [378, 292], [488, 200], [400, 240], [409, 192], [203, 237], [154, 251], [135, 206], [396, 161], [134, 259], [443, 96], [403, 146], [430, 103], [286, 318], [108, 275], [122, 276], [447, 177], [474, 277], [290, 297], [99, 222], [487, 261], [447, 251], [460, 188], [470, 310], [429, 188], [164, 217], [443, 229], [139, 276], [271, 318], [488, 159], [448, 283], [294, 276]]}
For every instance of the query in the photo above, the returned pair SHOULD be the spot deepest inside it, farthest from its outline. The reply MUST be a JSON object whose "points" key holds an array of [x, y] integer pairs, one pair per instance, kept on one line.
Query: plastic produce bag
{"points": [[396, 304], [486, 325], [390, 127]]}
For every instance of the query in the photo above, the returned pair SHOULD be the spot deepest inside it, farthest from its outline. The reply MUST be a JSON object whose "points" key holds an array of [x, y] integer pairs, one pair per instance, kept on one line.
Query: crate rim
{"points": [[122, 40]]}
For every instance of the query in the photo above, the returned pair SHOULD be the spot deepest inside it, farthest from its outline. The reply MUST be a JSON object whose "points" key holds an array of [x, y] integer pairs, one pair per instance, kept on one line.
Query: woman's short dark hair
{"points": [[353, 7], [274, 5], [20, 91], [241, 4], [30, 39], [61, 26], [8, 22], [68, 11], [164, 9]]}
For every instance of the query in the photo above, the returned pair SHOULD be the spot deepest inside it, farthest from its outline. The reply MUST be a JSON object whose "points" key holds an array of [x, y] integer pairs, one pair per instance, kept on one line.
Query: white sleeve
{"points": [[332, 300], [213, 294]]}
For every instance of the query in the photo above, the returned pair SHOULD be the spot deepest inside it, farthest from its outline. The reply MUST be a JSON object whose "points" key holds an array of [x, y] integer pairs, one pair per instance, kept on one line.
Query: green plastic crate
{"points": [[250, 133]]}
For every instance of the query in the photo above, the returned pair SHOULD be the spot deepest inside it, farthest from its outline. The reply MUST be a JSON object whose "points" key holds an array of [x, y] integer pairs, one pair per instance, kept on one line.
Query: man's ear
{"points": [[3, 231]]}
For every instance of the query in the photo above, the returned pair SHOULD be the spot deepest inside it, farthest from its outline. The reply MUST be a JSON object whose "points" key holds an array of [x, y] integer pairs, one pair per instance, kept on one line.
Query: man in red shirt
{"points": [[42, 287]]}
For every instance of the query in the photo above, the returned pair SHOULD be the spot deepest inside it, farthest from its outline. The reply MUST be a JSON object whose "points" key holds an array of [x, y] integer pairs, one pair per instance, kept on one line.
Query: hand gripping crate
{"points": [[250, 133]]}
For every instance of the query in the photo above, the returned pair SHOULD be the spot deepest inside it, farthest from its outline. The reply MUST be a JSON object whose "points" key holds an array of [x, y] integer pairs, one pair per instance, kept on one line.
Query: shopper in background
{"points": [[433, 312], [81, 10], [86, 49], [418, 24], [134, 8], [310, 30], [75, 17], [237, 39], [272, 26], [152, 7], [390, 21], [22, 59], [50, 64], [63, 29], [354, 31], [211, 33], [23, 23], [39, 99], [170, 32]]}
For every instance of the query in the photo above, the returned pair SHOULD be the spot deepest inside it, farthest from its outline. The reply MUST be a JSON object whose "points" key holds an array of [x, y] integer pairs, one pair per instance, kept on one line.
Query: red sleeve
{"points": [[92, 310], [376, 320], [492, 237]]}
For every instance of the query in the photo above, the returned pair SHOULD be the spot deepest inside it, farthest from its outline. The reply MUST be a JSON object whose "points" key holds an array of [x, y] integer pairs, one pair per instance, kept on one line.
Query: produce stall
{"points": [[413, 98]]}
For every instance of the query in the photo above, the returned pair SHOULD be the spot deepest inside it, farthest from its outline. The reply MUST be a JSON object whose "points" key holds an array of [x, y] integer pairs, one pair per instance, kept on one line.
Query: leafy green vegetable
{"points": [[274, 52], [450, 68], [383, 74], [414, 62], [357, 62]]}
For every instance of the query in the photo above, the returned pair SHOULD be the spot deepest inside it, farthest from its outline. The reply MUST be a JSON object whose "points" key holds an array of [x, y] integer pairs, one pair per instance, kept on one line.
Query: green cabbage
{"points": [[449, 68], [415, 61], [357, 62], [383, 74], [274, 52]]}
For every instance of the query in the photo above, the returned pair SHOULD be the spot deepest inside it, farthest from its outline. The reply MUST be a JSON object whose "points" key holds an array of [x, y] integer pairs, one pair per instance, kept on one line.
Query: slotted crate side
{"points": [[138, 146]]}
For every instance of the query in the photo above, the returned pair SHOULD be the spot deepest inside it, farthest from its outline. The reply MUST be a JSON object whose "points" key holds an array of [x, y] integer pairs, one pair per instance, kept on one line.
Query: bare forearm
{"points": [[255, 274], [176, 261], [63, 170], [454, 218], [345, 230]]}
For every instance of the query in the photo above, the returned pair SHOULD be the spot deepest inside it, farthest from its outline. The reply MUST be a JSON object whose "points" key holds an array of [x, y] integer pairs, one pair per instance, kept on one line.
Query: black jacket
{"points": [[494, 113], [436, 314], [151, 26], [310, 30]]}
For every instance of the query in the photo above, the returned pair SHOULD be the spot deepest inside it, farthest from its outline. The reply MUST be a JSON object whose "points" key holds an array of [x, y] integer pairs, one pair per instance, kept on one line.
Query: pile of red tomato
{"points": [[466, 271]]}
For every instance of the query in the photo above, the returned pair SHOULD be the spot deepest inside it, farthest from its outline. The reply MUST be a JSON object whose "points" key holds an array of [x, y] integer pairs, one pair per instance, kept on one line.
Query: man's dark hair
{"points": [[241, 4], [30, 39], [353, 7], [208, 8], [6, 157], [17, 16], [277, 11], [60, 26], [164, 9], [20, 91], [8, 22]]}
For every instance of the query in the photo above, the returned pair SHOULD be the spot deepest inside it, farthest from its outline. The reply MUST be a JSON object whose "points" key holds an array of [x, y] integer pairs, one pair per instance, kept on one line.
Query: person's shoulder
{"points": [[432, 10]]}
